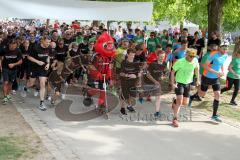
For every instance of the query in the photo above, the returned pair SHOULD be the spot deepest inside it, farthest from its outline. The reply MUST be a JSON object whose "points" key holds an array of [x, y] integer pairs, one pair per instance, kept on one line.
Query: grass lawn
{"points": [[10, 148], [224, 109]]}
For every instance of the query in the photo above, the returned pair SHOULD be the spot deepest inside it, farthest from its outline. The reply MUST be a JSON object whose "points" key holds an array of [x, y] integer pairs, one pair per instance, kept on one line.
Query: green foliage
{"points": [[231, 15], [173, 10]]}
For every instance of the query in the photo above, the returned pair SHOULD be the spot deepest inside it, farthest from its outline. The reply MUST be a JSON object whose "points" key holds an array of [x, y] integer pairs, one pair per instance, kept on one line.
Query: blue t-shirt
{"points": [[176, 46], [130, 36], [180, 54], [216, 62], [169, 57]]}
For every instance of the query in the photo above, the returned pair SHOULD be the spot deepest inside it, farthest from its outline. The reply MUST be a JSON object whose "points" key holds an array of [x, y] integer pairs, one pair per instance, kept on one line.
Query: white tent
{"points": [[76, 9], [191, 27]]}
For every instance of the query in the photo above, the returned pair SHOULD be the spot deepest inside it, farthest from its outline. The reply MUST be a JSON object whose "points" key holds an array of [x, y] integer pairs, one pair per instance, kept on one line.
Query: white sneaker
{"points": [[14, 92], [66, 84], [42, 107], [49, 98], [63, 96], [23, 94], [36, 93]]}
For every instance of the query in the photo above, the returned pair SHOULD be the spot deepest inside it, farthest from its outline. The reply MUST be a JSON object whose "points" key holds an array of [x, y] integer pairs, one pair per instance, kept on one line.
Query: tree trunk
{"points": [[215, 12], [108, 26]]}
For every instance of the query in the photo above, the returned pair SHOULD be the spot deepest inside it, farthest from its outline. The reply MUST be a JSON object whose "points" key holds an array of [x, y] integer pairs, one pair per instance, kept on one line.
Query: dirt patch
{"points": [[15, 132]]}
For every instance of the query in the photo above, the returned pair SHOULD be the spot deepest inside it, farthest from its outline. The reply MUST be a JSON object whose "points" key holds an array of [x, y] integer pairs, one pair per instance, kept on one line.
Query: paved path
{"points": [[131, 137]]}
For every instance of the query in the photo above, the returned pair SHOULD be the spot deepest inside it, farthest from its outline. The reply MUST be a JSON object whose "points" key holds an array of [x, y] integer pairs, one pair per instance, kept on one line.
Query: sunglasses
{"points": [[191, 56]]}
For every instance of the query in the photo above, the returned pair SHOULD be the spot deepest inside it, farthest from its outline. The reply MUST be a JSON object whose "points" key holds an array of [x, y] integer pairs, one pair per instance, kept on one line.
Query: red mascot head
{"points": [[105, 45]]}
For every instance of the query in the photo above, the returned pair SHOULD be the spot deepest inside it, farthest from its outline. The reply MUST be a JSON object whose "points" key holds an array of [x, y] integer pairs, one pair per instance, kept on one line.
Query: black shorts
{"points": [[9, 75], [127, 86], [24, 69], [214, 82], [182, 89], [39, 73]]}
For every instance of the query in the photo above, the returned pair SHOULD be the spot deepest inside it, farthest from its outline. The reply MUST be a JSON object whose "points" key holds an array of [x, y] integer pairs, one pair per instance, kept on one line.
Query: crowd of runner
{"points": [[46, 60]]}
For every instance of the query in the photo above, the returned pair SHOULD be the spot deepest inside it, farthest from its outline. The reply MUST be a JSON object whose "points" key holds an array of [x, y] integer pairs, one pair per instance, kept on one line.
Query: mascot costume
{"points": [[99, 70]]}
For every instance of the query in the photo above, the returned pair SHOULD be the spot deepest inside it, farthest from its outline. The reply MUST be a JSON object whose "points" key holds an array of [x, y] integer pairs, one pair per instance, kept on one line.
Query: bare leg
{"points": [[177, 105], [158, 103], [42, 87]]}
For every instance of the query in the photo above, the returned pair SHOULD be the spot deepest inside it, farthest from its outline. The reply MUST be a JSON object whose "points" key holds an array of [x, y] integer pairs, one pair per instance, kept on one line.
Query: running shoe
{"points": [[36, 93], [175, 123], [52, 102], [114, 92], [4, 101], [131, 109], [14, 92], [198, 98], [42, 107], [23, 93], [233, 103], [216, 118], [66, 84], [123, 111], [157, 114], [9, 98], [48, 98], [63, 96], [25, 89]]}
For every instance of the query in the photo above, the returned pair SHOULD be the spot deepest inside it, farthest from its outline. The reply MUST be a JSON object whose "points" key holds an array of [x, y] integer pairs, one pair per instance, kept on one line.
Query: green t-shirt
{"points": [[185, 70], [79, 39], [203, 61], [164, 42], [138, 39], [174, 41], [93, 39], [236, 68], [151, 44], [119, 57], [158, 39]]}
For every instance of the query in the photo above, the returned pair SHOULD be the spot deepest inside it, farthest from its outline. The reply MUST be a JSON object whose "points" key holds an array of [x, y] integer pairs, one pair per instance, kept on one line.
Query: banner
{"points": [[76, 9]]}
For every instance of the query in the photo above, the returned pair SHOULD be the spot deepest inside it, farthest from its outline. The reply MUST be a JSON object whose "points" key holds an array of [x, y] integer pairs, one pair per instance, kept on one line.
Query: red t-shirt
{"points": [[153, 57], [56, 26], [76, 26]]}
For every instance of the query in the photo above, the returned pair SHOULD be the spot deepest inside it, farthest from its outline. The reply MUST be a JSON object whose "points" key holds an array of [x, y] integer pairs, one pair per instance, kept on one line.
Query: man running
{"points": [[182, 73], [233, 78], [129, 75], [213, 70], [39, 56], [11, 58]]}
